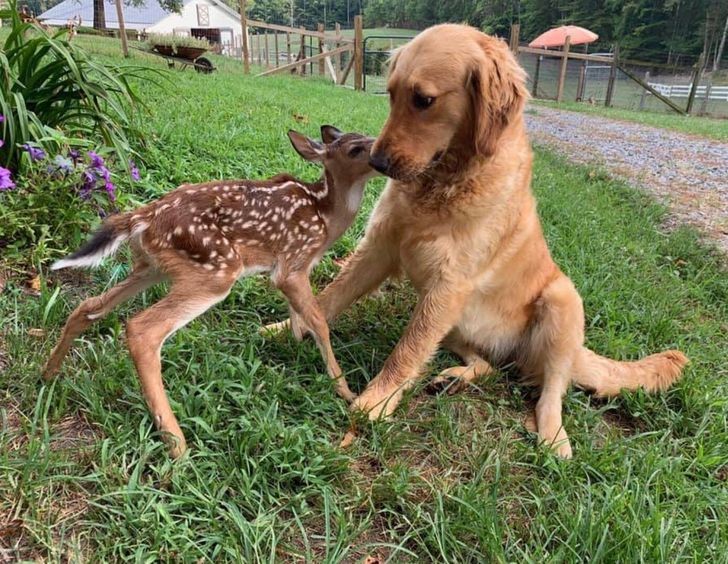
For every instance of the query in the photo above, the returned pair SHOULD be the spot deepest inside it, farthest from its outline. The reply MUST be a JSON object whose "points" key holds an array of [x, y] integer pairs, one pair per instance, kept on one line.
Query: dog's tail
{"points": [[606, 377], [104, 242]]}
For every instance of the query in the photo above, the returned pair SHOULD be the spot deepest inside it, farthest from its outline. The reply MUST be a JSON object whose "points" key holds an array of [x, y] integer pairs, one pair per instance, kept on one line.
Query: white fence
{"points": [[683, 91]]}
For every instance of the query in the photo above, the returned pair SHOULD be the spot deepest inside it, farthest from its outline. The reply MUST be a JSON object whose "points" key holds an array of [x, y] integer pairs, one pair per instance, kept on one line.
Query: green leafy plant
{"points": [[58, 196], [52, 94], [175, 41]]}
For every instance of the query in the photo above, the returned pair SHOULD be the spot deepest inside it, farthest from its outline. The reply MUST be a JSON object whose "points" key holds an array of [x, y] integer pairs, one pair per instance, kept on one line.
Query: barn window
{"points": [[203, 14]]}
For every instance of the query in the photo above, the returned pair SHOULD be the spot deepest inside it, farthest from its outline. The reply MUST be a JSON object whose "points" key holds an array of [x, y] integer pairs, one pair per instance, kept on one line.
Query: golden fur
{"points": [[459, 220]]}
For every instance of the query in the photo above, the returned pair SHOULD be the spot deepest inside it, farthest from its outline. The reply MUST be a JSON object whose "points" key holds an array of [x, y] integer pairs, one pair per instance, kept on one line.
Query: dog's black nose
{"points": [[379, 162]]}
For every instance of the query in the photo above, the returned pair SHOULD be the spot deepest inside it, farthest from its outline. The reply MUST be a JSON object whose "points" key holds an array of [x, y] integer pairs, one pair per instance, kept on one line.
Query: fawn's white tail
{"points": [[104, 242]]}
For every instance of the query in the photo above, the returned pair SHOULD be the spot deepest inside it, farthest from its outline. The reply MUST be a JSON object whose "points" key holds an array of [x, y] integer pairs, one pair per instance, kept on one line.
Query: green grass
{"points": [[454, 479], [715, 128]]}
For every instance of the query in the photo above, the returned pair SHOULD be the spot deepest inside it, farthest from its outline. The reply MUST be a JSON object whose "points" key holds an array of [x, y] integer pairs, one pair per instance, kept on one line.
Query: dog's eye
{"points": [[422, 102], [356, 151]]}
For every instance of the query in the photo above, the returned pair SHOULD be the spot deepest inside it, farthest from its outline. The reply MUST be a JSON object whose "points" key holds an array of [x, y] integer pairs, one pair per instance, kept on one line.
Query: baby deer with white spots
{"points": [[203, 237]]}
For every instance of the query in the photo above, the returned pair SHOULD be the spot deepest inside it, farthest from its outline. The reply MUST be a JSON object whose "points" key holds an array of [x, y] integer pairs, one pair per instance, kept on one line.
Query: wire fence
{"points": [[587, 81]]}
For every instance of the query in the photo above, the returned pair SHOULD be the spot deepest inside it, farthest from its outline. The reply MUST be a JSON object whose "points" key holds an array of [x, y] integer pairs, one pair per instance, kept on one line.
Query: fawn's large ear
{"points": [[330, 134], [308, 148], [498, 90]]}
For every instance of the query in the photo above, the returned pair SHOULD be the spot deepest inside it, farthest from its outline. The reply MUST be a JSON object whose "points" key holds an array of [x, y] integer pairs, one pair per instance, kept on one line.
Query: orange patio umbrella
{"points": [[556, 37]]}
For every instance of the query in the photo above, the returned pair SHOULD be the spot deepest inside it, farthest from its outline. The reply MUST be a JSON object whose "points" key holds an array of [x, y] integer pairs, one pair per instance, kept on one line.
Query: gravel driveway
{"points": [[688, 173]]}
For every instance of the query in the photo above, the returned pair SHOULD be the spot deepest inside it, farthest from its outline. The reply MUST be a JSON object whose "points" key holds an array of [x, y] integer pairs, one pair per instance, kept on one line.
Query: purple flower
{"points": [[110, 190], [2, 118], [104, 172], [2, 143], [134, 171], [60, 164], [6, 182], [97, 160], [89, 183], [35, 153], [74, 155]]}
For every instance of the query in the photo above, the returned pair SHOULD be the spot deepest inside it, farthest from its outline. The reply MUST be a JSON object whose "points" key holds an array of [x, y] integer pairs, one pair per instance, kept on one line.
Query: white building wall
{"points": [[188, 19]]}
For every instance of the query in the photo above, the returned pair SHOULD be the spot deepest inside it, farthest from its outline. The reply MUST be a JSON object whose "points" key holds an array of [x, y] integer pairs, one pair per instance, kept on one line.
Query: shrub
{"points": [[53, 93]]}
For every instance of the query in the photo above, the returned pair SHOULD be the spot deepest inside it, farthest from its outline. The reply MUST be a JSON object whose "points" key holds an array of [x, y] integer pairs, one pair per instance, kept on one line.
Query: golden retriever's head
{"points": [[453, 90]]}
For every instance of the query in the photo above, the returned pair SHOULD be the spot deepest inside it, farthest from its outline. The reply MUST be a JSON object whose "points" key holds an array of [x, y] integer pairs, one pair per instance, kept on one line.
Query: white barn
{"points": [[209, 19]]}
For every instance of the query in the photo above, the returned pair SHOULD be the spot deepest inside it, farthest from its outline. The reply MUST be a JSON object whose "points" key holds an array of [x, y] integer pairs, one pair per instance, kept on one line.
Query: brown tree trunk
{"points": [[99, 15]]}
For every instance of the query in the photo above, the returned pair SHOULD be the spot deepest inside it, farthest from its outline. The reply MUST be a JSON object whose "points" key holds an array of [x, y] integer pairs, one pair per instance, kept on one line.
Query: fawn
{"points": [[203, 237]]}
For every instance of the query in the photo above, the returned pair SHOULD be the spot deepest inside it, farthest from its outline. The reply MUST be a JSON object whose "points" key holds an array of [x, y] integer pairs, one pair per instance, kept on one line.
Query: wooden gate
{"points": [[279, 48]]}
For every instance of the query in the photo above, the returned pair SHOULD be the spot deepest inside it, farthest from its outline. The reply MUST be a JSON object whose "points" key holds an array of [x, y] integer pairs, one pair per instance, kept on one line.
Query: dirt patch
{"points": [[31, 522], [24, 539], [73, 432], [624, 423]]}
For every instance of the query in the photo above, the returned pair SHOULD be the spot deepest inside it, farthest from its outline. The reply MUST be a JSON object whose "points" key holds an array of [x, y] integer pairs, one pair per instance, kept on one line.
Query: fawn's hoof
{"points": [[273, 329], [177, 446], [50, 370]]}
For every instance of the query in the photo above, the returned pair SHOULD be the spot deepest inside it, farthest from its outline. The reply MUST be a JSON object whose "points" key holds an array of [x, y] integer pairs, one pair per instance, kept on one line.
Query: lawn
{"points": [[449, 479], [715, 128]]}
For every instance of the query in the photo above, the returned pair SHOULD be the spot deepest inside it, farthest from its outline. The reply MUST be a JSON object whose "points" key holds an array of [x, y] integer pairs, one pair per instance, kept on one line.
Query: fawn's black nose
{"points": [[379, 162]]}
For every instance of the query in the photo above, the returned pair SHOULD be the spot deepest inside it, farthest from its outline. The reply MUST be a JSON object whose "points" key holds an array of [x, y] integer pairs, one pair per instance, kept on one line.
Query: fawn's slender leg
{"points": [[373, 261], [95, 308], [297, 289], [146, 333]]}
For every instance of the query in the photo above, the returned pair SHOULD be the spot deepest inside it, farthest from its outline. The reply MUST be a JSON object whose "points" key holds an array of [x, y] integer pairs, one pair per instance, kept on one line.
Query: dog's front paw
{"points": [[377, 403]]}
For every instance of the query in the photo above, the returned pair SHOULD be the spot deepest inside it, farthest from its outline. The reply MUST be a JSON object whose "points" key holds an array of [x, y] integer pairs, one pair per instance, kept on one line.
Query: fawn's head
{"points": [[345, 156]]}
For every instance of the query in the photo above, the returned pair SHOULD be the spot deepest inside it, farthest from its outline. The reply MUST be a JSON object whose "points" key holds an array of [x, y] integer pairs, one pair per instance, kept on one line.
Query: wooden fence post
{"points": [[534, 90], [708, 89], [562, 74], [122, 28], [514, 38], [275, 35], [260, 54], [644, 92], [612, 77], [695, 81], [288, 48], [267, 52], [582, 82], [358, 53], [322, 64], [244, 26], [302, 53], [337, 59]]}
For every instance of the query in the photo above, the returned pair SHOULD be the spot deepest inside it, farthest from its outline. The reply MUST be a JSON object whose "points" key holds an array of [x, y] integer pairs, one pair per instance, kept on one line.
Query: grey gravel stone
{"points": [[686, 172]]}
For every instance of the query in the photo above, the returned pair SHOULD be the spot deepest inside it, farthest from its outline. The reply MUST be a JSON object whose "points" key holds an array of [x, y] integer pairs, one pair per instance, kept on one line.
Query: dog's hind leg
{"points": [[457, 378]]}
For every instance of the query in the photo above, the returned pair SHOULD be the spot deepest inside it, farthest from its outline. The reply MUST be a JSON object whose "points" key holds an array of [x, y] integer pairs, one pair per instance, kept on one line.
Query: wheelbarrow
{"points": [[184, 57]]}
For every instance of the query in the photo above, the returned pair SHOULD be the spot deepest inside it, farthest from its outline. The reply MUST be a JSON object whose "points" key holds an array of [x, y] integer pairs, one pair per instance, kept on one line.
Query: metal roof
{"points": [[135, 17]]}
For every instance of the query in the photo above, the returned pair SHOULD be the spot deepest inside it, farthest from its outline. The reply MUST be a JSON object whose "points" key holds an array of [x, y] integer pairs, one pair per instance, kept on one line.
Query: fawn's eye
{"points": [[422, 102], [355, 152]]}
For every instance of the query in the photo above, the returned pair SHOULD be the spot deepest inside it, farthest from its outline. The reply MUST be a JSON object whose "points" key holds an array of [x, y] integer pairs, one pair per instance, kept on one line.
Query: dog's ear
{"points": [[391, 61], [498, 90]]}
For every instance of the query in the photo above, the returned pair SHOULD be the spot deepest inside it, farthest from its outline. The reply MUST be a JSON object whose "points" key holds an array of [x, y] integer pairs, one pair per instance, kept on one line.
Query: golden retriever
{"points": [[459, 220]]}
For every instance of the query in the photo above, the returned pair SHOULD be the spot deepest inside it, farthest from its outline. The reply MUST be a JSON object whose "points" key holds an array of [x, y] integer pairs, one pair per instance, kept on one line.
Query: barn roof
{"points": [[135, 17]]}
